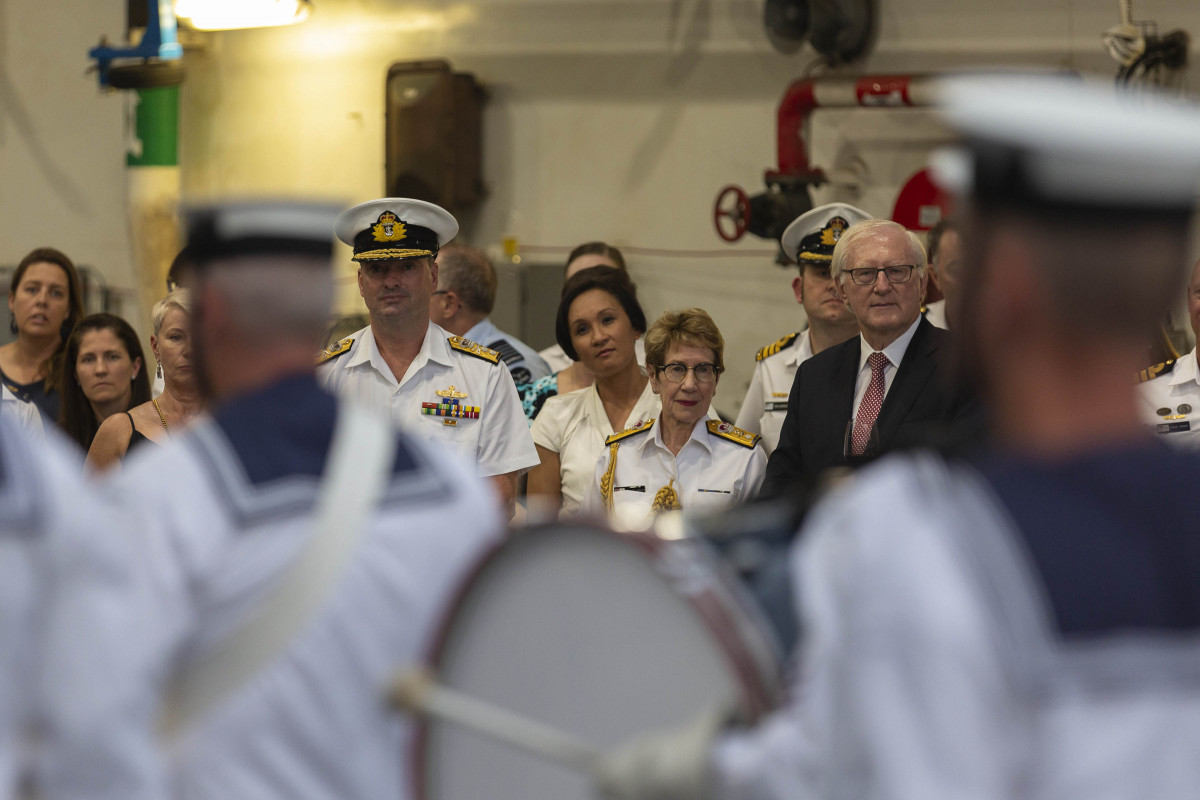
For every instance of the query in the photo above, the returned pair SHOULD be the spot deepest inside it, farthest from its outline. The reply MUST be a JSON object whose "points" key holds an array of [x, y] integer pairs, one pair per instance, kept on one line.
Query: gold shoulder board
{"points": [[333, 351], [1150, 373], [772, 349], [732, 433], [474, 349], [616, 437]]}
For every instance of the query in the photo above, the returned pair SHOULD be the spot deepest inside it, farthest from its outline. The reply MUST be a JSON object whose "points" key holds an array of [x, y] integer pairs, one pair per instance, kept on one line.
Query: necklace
{"points": [[163, 417]]}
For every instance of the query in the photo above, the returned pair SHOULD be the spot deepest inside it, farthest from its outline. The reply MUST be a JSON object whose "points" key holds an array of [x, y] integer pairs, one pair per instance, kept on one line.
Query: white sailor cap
{"points": [[395, 227], [812, 236], [1064, 143], [258, 227]]}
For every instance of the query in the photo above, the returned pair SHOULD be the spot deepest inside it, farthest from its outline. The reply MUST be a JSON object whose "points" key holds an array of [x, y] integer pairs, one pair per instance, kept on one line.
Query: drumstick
{"points": [[418, 693]]}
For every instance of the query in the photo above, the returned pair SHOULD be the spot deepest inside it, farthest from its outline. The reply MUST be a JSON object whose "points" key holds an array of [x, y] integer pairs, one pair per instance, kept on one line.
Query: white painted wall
{"points": [[62, 143], [614, 119]]}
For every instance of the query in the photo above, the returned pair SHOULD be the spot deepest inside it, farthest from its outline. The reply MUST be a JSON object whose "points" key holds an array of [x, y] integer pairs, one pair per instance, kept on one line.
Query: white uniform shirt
{"points": [[766, 400], [522, 360], [497, 440], [1171, 402], [575, 426], [25, 413], [936, 314], [931, 667], [220, 515], [711, 471]]}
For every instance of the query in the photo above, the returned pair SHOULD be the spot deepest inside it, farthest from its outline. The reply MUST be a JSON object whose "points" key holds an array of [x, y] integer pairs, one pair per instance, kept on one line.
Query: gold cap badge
{"points": [[389, 228]]}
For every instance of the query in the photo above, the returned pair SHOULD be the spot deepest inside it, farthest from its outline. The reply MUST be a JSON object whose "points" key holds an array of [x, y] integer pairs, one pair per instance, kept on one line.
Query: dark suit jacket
{"points": [[922, 407]]}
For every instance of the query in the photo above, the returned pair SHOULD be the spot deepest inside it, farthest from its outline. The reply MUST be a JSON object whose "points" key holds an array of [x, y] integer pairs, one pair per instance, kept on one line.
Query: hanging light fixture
{"points": [[223, 15]]}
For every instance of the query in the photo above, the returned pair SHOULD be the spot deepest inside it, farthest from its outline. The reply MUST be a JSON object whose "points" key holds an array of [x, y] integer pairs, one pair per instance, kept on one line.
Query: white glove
{"points": [[1124, 43], [671, 764]]}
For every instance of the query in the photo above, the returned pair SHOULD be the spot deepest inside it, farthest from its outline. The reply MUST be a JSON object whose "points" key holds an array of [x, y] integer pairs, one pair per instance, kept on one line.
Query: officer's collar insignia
{"points": [[389, 228], [833, 231], [452, 392]]}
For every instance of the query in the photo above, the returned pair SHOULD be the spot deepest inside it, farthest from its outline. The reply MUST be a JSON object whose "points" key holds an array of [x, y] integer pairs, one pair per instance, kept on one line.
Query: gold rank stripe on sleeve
{"points": [[474, 349], [772, 349], [616, 437], [1150, 373], [732, 433], [333, 351]]}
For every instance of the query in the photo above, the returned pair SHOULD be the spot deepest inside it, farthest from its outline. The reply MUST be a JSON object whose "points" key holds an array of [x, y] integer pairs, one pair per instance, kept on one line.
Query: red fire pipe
{"points": [[804, 96]]}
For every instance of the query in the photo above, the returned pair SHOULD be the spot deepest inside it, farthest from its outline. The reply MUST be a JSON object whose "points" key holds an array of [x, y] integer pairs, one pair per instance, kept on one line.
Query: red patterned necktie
{"points": [[868, 410]]}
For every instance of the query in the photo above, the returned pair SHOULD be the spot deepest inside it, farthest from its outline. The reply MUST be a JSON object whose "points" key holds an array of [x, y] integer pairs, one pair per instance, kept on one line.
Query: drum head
{"points": [[598, 634]]}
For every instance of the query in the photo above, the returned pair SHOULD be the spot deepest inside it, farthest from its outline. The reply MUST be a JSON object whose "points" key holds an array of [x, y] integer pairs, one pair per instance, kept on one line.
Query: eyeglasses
{"points": [[676, 372], [866, 276]]}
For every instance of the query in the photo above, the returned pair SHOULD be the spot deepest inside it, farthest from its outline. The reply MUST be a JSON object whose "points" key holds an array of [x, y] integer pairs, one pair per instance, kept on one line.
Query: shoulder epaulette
{"points": [[772, 349], [1150, 373], [732, 433], [474, 349], [639, 428], [335, 350]]}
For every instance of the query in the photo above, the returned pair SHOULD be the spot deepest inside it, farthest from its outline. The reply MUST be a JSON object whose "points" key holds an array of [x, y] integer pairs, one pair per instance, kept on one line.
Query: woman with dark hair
{"points": [[586, 255], [45, 301], [103, 373], [598, 324], [569, 374], [164, 416]]}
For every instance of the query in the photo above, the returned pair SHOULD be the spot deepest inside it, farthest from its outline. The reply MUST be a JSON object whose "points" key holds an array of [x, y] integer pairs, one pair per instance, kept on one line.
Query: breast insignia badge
{"points": [[450, 408]]}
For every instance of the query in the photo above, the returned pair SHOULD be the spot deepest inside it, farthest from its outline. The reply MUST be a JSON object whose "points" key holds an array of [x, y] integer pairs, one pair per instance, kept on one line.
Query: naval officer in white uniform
{"points": [[450, 391], [1170, 391], [296, 551], [1022, 621], [809, 242], [679, 459]]}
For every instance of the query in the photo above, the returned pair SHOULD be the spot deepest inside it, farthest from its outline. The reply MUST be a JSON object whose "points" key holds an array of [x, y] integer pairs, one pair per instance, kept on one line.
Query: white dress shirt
{"points": [[574, 425], [894, 353], [497, 440]]}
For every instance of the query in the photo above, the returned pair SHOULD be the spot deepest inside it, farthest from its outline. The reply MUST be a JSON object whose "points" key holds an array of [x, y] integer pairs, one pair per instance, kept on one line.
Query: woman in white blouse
{"points": [[598, 324]]}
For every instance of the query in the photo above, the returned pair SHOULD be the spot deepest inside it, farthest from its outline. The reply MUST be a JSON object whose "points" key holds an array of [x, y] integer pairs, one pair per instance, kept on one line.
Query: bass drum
{"points": [[601, 635]]}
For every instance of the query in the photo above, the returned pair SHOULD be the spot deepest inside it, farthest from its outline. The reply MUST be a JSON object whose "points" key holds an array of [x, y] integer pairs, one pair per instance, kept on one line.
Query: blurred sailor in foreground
{"points": [[296, 549], [445, 389], [58, 556], [1170, 391], [809, 242], [1025, 622]]}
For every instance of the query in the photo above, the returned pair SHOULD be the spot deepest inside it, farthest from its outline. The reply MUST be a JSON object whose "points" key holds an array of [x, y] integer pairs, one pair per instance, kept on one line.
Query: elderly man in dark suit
{"points": [[883, 390]]}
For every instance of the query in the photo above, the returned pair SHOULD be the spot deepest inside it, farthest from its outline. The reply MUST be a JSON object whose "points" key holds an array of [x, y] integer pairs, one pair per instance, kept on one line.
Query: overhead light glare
{"points": [[225, 15]]}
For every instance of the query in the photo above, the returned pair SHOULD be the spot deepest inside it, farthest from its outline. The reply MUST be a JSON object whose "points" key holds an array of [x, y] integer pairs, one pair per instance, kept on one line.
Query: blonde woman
{"points": [[166, 415]]}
